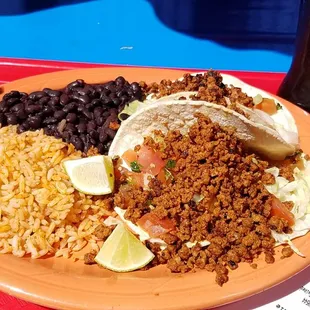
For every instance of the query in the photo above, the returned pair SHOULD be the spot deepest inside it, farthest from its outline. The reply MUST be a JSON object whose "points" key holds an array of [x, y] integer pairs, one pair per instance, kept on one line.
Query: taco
{"points": [[210, 86], [290, 198], [178, 115]]}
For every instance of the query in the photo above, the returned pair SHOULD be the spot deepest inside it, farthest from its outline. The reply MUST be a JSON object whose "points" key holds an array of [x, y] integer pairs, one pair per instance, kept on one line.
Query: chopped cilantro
{"points": [[170, 164], [135, 167], [279, 106]]}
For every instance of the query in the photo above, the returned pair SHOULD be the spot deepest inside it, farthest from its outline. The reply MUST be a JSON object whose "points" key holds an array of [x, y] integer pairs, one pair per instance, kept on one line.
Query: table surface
{"points": [[253, 35]]}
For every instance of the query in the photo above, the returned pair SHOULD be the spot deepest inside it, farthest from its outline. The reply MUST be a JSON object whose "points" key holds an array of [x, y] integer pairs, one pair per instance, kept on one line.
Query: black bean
{"points": [[81, 128], [43, 100], [17, 107], [34, 108], [94, 134], [26, 125], [111, 133], [3, 121], [124, 116], [21, 129], [130, 93], [75, 97], [85, 99], [4, 107], [71, 118], [70, 127], [122, 93], [109, 85], [66, 135], [103, 136], [120, 81], [36, 95], [116, 102], [77, 83], [91, 126], [112, 96], [135, 87], [77, 142], [69, 107], [57, 134], [107, 100], [83, 138], [13, 101], [110, 119], [124, 99], [52, 93], [47, 111], [106, 147], [35, 122], [83, 91], [99, 88], [48, 131], [12, 94], [97, 112], [88, 114], [100, 148], [53, 101], [95, 102], [11, 119], [78, 106], [21, 114], [64, 99], [100, 120], [59, 115], [50, 120], [106, 114]]}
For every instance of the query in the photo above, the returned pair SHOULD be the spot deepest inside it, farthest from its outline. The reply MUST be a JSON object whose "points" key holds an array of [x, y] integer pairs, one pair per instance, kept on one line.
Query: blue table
{"points": [[165, 33]]}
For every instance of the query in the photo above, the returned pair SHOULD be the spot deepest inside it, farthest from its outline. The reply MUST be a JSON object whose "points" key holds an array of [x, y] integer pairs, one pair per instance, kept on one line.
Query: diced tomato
{"points": [[279, 210], [268, 106], [165, 176], [162, 176], [150, 161], [137, 179], [119, 170], [155, 226], [129, 156]]}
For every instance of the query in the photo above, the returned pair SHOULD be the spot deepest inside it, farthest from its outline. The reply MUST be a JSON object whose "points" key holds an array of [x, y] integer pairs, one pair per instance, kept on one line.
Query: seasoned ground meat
{"points": [[234, 214], [209, 87], [269, 258], [89, 258], [287, 252], [102, 231]]}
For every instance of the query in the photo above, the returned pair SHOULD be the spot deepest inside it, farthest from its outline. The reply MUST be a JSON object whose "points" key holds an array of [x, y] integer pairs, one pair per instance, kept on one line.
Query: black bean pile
{"points": [[83, 114]]}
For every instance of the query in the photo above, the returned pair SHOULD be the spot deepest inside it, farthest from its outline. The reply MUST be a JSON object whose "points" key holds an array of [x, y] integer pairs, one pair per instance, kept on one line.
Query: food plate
{"points": [[61, 283]]}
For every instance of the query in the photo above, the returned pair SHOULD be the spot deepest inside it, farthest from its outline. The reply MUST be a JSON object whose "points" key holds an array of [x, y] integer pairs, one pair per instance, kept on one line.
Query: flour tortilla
{"points": [[179, 115]]}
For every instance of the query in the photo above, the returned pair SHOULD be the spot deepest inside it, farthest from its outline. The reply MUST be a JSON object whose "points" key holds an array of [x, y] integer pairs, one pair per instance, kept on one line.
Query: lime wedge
{"points": [[92, 175], [123, 252]]}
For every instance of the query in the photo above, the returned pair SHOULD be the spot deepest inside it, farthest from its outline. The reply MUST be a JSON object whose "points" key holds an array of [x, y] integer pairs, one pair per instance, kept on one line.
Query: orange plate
{"points": [[61, 283]]}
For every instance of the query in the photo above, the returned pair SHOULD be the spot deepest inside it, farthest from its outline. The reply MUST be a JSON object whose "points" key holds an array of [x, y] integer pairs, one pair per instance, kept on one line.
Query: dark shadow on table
{"points": [[16, 7], [241, 24]]}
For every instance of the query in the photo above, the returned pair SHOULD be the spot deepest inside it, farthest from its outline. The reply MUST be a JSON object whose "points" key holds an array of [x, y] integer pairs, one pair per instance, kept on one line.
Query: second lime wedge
{"points": [[123, 252]]}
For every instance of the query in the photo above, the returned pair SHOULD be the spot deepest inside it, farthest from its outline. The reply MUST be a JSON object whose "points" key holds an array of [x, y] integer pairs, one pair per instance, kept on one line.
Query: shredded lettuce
{"points": [[197, 198], [131, 108], [297, 191]]}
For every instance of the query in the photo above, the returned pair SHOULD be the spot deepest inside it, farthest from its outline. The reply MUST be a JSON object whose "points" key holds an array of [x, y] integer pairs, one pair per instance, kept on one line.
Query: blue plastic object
{"points": [[245, 24], [15, 7], [255, 35]]}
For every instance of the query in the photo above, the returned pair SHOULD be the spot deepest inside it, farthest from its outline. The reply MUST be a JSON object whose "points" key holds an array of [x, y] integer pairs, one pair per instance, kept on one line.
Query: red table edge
{"points": [[13, 69]]}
